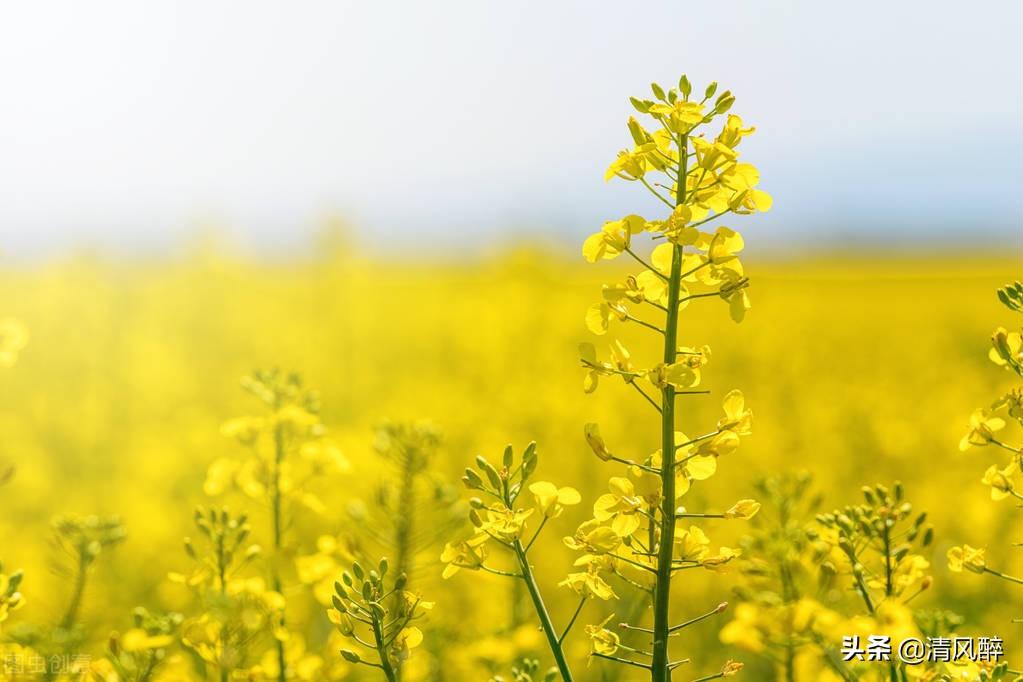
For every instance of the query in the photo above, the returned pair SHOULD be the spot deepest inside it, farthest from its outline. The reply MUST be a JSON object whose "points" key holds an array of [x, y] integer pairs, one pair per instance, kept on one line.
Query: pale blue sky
{"points": [[450, 123]]}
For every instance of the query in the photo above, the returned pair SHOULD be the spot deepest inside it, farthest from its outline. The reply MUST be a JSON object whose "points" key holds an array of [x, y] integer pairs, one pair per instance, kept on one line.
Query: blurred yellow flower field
{"points": [[125, 403]]}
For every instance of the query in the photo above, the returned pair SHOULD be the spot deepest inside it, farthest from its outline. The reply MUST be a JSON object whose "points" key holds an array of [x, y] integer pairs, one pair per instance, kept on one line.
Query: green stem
{"points": [[68, 621], [659, 669], [568, 628], [381, 646], [541, 611], [1004, 576], [278, 539]]}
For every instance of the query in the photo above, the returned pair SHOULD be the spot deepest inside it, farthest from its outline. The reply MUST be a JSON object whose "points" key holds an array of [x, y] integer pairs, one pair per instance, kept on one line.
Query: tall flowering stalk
{"points": [[13, 337], [286, 449], [987, 427], [701, 181], [639, 536]]}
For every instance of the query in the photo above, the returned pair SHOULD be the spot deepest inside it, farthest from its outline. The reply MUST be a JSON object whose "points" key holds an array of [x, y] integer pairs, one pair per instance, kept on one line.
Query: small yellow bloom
{"points": [[504, 523], [602, 640], [982, 429], [595, 538], [743, 509], [680, 117], [723, 443], [970, 558], [692, 544], [598, 316], [621, 507], [469, 554], [552, 500], [589, 584], [138, 639], [409, 638], [732, 668], [737, 419], [719, 561], [1007, 350], [614, 238], [596, 442], [1002, 481]]}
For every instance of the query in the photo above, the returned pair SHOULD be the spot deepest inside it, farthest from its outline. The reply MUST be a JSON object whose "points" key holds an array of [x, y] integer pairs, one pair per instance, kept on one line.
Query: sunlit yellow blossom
{"points": [[602, 640], [599, 316], [970, 558], [596, 442], [723, 443], [504, 523], [1002, 481], [621, 507], [679, 117], [982, 429], [719, 562], [692, 544], [732, 668], [589, 584], [737, 419], [614, 238], [743, 509], [552, 500], [1007, 348], [594, 537], [138, 639], [10, 597]]}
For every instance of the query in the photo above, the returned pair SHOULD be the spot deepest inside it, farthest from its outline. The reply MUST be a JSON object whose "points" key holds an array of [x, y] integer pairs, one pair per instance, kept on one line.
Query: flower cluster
{"points": [[501, 522], [987, 429], [235, 610], [377, 612], [787, 576], [811, 580], [287, 449], [140, 652], [641, 535], [10, 597]]}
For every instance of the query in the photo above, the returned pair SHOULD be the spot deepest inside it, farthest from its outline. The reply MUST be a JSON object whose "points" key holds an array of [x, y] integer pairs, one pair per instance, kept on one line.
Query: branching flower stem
{"points": [[278, 535], [553, 640], [659, 670]]}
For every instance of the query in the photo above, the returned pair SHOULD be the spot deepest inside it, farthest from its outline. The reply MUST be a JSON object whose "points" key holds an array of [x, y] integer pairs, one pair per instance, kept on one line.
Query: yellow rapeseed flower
{"points": [[966, 557], [552, 500]]}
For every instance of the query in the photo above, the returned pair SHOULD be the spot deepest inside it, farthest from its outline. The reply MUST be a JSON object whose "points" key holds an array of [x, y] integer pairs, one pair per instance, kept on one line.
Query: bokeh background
{"points": [[390, 197]]}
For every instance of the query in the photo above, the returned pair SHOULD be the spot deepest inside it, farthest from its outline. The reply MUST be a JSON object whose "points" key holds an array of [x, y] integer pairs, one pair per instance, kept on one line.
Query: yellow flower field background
{"points": [[860, 369]]}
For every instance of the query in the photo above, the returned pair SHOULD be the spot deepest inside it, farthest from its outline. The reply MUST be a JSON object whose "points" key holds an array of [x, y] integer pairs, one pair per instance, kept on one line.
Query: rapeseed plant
{"points": [[788, 578], [286, 448], [79, 542], [13, 337], [140, 653], [405, 515], [10, 597], [877, 550], [235, 610], [811, 582], [640, 525], [988, 429], [640, 533], [370, 604]]}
